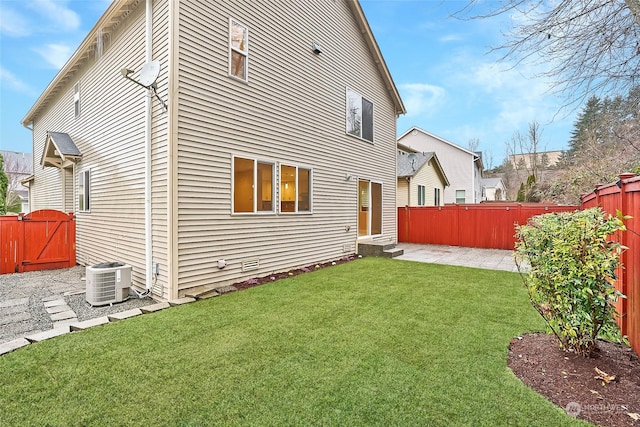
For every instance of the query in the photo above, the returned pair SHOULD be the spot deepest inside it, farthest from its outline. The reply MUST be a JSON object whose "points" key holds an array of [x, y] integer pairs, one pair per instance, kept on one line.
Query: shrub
{"points": [[571, 262]]}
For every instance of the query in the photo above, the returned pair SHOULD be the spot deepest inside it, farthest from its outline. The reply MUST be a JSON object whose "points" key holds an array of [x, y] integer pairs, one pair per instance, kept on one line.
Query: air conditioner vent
{"points": [[252, 264], [108, 283]]}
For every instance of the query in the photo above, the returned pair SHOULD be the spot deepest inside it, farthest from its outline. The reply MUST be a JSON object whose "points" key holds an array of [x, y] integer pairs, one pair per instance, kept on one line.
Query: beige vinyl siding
{"points": [[430, 178], [402, 192], [292, 111], [110, 135]]}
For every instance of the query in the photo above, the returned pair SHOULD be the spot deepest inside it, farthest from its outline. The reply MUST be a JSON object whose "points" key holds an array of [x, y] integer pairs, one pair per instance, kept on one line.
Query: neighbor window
{"points": [[436, 197], [359, 116], [421, 195], [76, 99], [460, 196], [84, 185], [252, 186], [238, 49], [295, 189]]}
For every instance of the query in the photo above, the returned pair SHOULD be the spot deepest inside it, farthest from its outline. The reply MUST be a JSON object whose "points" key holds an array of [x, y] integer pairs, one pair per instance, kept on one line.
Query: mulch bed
{"points": [[568, 380]]}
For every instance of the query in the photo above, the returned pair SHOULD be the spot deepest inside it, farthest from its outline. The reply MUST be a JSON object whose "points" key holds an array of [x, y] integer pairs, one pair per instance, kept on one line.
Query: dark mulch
{"points": [[256, 281], [567, 379]]}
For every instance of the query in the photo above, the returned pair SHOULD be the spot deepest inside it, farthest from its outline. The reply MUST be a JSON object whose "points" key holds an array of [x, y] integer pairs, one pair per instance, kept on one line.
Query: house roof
{"points": [[59, 149], [17, 163], [120, 9], [108, 22], [491, 182], [475, 155], [410, 164]]}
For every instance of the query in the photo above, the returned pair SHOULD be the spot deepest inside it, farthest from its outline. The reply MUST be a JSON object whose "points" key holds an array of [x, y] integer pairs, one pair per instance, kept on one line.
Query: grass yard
{"points": [[370, 342]]}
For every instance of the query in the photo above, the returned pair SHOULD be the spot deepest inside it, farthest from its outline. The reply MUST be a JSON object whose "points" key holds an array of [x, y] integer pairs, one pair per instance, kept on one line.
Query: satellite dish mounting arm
{"points": [[148, 76]]}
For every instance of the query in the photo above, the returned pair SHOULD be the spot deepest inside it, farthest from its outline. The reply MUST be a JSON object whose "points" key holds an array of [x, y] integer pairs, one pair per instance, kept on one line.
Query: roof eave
{"points": [[361, 19]]}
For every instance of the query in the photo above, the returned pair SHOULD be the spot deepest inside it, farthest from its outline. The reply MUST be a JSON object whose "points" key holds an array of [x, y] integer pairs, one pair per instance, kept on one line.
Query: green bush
{"points": [[568, 262]]}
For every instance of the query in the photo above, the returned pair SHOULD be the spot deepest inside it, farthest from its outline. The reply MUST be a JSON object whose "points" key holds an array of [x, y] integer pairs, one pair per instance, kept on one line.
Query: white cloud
{"points": [[56, 54], [421, 99], [12, 23], [60, 17], [9, 80], [448, 38]]}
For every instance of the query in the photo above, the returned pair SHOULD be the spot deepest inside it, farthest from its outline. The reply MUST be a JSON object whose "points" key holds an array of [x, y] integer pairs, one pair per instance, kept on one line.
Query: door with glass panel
{"points": [[369, 208]]}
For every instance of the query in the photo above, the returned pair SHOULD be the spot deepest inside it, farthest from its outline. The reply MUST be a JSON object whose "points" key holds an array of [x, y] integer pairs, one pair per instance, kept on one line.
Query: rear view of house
{"points": [[264, 139]]}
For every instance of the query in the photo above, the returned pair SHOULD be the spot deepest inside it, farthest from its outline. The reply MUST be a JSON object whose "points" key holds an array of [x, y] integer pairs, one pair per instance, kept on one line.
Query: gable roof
{"points": [[17, 163], [475, 155], [120, 9], [410, 164], [59, 150], [492, 182]]}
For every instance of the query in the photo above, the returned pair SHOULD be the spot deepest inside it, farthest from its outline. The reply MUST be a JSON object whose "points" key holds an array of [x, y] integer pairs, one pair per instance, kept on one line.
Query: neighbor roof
{"points": [[410, 164]]}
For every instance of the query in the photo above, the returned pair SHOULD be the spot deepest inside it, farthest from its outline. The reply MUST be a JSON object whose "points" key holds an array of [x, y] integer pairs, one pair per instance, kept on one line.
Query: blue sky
{"points": [[451, 85]]}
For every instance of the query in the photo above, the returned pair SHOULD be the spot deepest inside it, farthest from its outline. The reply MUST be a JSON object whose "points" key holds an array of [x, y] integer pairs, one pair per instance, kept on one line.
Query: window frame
{"points": [[84, 191], [296, 204], [76, 99], [254, 195], [436, 196], [464, 197], [422, 195], [244, 53], [363, 132]]}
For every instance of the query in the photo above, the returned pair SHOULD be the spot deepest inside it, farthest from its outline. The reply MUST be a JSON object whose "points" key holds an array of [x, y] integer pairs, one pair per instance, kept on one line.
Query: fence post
{"points": [[624, 257]]}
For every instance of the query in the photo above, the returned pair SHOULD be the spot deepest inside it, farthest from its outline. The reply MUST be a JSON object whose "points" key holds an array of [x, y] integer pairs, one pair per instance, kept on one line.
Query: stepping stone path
{"points": [[61, 314]]}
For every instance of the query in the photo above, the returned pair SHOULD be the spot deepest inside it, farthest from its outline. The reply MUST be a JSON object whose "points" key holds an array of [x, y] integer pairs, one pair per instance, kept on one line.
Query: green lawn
{"points": [[371, 342]]}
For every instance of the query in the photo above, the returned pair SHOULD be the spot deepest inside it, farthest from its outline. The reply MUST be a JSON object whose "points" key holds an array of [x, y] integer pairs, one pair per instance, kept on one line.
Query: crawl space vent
{"points": [[252, 264]]}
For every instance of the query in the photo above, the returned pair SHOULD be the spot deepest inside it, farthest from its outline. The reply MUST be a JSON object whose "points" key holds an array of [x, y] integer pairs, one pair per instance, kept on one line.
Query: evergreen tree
{"points": [[4, 186]]}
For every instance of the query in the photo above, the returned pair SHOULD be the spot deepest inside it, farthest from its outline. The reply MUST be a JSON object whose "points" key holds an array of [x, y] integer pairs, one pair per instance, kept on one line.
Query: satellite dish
{"points": [[412, 157], [149, 73]]}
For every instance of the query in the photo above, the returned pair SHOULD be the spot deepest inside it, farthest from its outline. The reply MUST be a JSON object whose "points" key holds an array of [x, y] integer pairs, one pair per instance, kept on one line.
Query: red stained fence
{"points": [[41, 240], [484, 225], [624, 196]]}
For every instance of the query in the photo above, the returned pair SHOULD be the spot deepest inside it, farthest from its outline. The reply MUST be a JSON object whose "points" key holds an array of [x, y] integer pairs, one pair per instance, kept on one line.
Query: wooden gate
{"points": [[41, 240]]}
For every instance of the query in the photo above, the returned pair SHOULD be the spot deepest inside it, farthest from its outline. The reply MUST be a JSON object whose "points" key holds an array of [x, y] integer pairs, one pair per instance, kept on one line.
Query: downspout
{"points": [[147, 153]]}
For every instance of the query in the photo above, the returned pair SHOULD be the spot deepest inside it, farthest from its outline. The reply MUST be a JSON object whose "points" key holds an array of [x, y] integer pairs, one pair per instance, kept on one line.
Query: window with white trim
{"points": [[84, 191], [76, 99], [359, 115], [436, 197], [421, 195], [238, 49], [253, 186], [295, 189], [460, 196]]}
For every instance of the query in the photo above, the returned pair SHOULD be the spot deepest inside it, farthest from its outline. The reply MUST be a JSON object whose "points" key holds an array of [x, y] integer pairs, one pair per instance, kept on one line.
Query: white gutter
{"points": [[147, 153]]}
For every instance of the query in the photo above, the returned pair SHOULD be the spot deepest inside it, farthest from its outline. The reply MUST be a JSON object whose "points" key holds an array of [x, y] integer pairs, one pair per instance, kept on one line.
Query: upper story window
{"points": [[295, 189], [84, 190], [76, 99], [253, 185], [359, 116], [238, 49], [460, 196]]}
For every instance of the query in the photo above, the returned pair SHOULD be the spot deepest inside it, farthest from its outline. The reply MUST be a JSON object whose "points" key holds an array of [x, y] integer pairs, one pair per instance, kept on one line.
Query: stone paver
{"points": [[124, 315], [81, 326], [154, 307], [55, 302], [180, 301], [15, 317], [58, 309], [41, 336], [14, 302], [65, 322], [69, 314], [13, 345]]}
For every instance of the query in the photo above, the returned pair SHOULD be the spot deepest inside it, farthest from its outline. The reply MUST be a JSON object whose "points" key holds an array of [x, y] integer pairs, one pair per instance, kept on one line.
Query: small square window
{"points": [[460, 196], [359, 115]]}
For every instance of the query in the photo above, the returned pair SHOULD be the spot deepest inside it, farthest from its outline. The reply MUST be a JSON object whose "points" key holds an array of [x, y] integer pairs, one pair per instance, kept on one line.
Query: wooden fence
{"points": [[41, 240], [624, 196], [484, 225]]}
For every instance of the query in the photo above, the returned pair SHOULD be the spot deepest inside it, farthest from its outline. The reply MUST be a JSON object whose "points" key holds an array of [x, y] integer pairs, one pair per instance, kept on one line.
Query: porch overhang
{"points": [[59, 151]]}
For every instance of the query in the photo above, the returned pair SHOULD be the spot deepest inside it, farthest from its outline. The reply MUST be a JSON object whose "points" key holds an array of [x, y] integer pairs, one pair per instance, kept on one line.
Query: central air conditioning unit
{"points": [[107, 283]]}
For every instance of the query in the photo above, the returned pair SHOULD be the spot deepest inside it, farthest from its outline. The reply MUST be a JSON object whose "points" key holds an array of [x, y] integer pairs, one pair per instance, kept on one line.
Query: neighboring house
{"points": [[493, 189], [463, 168], [18, 167], [268, 141], [421, 180], [543, 159]]}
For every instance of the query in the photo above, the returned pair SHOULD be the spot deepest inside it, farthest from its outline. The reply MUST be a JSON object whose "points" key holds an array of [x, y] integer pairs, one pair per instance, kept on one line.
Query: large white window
{"points": [[238, 49], [84, 191], [295, 189], [76, 99], [253, 186], [359, 116]]}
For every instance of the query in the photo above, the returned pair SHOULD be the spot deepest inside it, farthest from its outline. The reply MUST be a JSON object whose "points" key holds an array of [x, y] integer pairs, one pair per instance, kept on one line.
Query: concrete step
{"points": [[203, 293], [380, 249], [392, 253]]}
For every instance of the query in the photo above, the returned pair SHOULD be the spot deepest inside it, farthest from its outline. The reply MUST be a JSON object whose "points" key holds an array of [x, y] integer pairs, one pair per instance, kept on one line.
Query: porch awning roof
{"points": [[60, 151]]}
